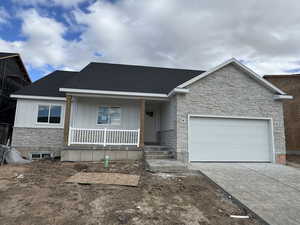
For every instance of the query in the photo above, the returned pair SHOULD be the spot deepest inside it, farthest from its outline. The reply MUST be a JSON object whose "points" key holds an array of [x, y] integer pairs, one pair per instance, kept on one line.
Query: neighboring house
{"points": [[291, 108], [13, 76], [228, 113]]}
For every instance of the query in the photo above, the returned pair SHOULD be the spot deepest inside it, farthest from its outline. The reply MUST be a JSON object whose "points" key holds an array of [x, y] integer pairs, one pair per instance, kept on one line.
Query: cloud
{"points": [[197, 34], [45, 45], [48, 3], [174, 33]]}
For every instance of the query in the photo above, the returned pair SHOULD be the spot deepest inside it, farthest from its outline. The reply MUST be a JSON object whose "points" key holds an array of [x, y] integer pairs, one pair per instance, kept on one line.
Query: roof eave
{"points": [[283, 97], [37, 97], [113, 93]]}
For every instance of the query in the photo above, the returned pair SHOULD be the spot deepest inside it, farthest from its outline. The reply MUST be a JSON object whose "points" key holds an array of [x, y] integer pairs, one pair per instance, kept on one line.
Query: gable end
{"points": [[248, 71]]}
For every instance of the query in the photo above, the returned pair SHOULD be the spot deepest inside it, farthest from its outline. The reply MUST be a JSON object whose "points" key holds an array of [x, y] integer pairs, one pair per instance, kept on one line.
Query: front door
{"points": [[150, 126]]}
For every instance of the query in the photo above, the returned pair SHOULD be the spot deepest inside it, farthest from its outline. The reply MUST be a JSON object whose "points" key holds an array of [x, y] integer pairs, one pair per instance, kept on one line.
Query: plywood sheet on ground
{"points": [[104, 178]]}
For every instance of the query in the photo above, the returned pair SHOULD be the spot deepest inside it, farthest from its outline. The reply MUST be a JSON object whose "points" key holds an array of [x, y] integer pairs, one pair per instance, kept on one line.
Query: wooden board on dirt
{"points": [[104, 178]]}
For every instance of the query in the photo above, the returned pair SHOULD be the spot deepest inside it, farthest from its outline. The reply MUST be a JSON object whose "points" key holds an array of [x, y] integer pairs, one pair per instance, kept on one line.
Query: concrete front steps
{"points": [[160, 159], [158, 152], [165, 166]]}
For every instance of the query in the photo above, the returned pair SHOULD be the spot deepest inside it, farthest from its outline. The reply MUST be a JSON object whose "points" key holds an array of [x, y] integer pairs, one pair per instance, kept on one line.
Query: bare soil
{"points": [[293, 160], [41, 196]]}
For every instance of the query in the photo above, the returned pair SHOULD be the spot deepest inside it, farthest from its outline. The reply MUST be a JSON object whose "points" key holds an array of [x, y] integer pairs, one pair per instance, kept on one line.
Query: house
{"points": [[291, 109], [13, 76], [228, 113]]}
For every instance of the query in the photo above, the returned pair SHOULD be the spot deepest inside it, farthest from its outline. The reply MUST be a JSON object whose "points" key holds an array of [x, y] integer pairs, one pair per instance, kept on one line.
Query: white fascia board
{"points": [[246, 69], [120, 93], [283, 97], [178, 91], [38, 97], [119, 97]]}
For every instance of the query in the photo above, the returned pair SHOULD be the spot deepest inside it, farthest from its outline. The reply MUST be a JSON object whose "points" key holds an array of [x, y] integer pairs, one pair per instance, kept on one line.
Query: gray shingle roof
{"points": [[118, 77], [48, 85], [112, 77]]}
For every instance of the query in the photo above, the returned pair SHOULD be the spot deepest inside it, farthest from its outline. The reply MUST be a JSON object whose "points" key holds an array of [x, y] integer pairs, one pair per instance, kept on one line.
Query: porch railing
{"points": [[103, 136]]}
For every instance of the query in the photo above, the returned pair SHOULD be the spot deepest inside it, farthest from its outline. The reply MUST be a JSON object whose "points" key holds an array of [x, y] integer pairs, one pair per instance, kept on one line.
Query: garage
{"points": [[228, 139]]}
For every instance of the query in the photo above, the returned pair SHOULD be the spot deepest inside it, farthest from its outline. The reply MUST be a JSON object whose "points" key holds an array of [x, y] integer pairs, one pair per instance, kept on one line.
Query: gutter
{"points": [[283, 97], [35, 97], [178, 91], [117, 93]]}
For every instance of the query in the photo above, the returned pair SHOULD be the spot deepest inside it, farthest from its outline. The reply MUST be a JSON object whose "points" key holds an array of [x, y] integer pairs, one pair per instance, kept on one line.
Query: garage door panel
{"points": [[227, 139]]}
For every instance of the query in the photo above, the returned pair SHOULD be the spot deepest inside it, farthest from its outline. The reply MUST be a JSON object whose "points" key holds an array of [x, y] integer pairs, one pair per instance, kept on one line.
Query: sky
{"points": [[194, 34]]}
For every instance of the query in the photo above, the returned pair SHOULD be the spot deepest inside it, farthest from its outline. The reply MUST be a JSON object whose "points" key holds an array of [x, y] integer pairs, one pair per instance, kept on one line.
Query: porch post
{"points": [[142, 122], [67, 119]]}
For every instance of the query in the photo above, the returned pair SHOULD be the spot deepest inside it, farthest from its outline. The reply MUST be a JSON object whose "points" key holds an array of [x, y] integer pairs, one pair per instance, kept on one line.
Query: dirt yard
{"points": [[37, 194]]}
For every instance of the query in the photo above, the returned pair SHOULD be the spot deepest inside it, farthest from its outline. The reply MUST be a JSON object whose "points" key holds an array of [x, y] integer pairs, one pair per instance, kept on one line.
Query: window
{"points": [[49, 114], [109, 115], [40, 155]]}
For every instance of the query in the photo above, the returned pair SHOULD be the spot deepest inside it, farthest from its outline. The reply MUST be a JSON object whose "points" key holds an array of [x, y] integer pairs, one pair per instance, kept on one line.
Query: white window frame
{"points": [[109, 124], [41, 155], [50, 105]]}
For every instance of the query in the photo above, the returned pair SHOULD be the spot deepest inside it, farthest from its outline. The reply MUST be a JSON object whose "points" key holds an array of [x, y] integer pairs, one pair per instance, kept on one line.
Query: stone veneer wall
{"points": [[28, 140], [229, 92], [168, 138]]}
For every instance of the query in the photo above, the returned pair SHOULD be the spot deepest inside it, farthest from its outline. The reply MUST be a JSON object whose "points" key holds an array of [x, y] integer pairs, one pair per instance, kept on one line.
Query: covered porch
{"points": [[100, 122]]}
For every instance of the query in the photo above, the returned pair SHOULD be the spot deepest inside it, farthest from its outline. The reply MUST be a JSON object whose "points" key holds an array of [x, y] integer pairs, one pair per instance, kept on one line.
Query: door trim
{"points": [[269, 119]]}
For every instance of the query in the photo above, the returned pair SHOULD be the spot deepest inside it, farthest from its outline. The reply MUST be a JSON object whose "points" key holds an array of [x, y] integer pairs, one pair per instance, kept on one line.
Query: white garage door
{"points": [[229, 139]]}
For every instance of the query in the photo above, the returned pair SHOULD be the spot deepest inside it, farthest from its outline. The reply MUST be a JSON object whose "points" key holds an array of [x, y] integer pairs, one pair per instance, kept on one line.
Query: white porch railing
{"points": [[103, 136]]}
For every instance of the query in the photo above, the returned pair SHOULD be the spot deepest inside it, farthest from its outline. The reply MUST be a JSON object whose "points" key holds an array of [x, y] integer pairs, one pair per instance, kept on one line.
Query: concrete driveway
{"points": [[272, 191]]}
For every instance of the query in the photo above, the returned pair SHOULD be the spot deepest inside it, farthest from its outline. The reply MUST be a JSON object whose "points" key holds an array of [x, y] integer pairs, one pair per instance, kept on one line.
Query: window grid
{"points": [[49, 112], [111, 112]]}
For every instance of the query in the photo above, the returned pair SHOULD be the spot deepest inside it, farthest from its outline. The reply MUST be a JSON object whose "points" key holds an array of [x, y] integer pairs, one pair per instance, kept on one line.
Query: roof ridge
{"points": [[136, 65]]}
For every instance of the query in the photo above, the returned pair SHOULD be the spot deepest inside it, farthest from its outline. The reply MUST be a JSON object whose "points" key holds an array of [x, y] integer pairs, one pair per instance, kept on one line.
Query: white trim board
{"points": [[178, 91], [122, 93], [38, 97], [283, 97], [118, 97], [240, 65], [272, 140], [42, 124]]}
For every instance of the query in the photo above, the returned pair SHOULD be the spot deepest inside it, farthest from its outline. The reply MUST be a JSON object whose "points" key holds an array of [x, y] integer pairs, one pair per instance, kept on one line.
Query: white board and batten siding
{"points": [[85, 113], [230, 139], [27, 112]]}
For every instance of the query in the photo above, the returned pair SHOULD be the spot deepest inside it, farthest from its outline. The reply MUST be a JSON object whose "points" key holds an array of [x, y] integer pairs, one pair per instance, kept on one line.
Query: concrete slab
{"points": [[272, 191], [165, 165], [284, 174], [86, 156], [98, 155]]}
